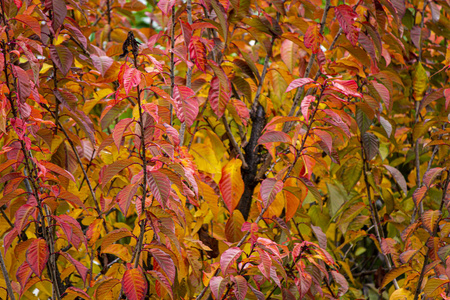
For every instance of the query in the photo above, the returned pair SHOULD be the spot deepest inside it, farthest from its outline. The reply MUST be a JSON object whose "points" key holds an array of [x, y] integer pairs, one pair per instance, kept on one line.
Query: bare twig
{"points": [[6, 277], [233, 141]]}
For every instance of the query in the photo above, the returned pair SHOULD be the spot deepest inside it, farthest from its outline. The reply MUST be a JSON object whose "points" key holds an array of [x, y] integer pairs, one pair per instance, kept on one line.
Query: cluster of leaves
{"points": [[222, 149]]}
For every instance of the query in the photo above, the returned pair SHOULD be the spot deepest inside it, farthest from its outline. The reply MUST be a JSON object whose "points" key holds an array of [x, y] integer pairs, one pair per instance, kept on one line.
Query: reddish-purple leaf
{"points": [[162, 280], [125, 196], [326, 138], [228, 258], [131, 79], [265, 262], [304, 106], [219, 95], [119, 130], [62, 57], [22, 215], [270, 187], [108, 172], [165, 6], [240, 289], [398, 177], [9, 238], [296, 83], [313, 38], [81, 269], [320, 235], [346, 18], [343, 284], [274, 136], [23, 274], [23, 83], [59, 13], [430, 175], [384, 94], [165, 262], [102, 63], [72, 230], [77, 33], [186, 104], [218, 285], [447, 98], [37, 256], [259, 295], [159, 185], [186, 29], [197, 52], [347, 87], [134, 284], [57, 169]]}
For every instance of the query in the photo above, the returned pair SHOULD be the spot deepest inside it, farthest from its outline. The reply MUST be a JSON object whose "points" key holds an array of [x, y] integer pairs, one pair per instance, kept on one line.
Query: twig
{"points": [[6, 277], [233, 141]]}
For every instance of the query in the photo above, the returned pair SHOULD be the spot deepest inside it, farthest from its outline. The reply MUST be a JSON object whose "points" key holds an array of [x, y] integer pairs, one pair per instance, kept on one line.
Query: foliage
{"points": [[224, 149]]}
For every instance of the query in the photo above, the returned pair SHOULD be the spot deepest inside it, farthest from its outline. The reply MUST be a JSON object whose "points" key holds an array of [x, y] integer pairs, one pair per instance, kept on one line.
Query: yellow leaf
{"points": [[205, 158], [420, 82], [401, 294], [118, 250]]}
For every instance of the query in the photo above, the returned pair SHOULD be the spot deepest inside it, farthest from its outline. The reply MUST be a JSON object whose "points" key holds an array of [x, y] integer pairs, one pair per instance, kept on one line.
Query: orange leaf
{"points": [[231, 184], [134, 284]]}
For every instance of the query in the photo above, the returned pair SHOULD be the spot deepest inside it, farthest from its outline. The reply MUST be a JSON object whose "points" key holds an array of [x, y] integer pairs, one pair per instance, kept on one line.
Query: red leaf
{"points": [[304, 106], [298, 83], [9, 238], [159, 185], [313, 38], [119, 130], [77, 292], [125, 195], [197, 51], [219, 95], [447, 98], [22, 215], [231, 184], [228, 258], [134, 284], [162, 280], [398, 177], [274, 136], [23, 274], [72, 230], [59, 13], [165, 262], [131, 79], [62, 57], [240, 289], [186, 29], [23, 83], [31, 22], [102, 63], [347, 87], [265, 263], [218, 285], [57, 169], [81, 269], [37, 256], [346, 18], [241, 109], [186, 104], [270, 187], [108, 172]]}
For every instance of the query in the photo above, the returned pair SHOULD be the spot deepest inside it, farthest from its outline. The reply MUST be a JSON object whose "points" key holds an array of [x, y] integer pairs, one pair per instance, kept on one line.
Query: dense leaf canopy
{"points": [[224, 149]]}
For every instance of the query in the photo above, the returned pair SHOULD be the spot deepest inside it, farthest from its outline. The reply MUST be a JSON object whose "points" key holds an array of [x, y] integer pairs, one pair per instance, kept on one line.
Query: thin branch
{"points": [[6, 277], [233, 141]]}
